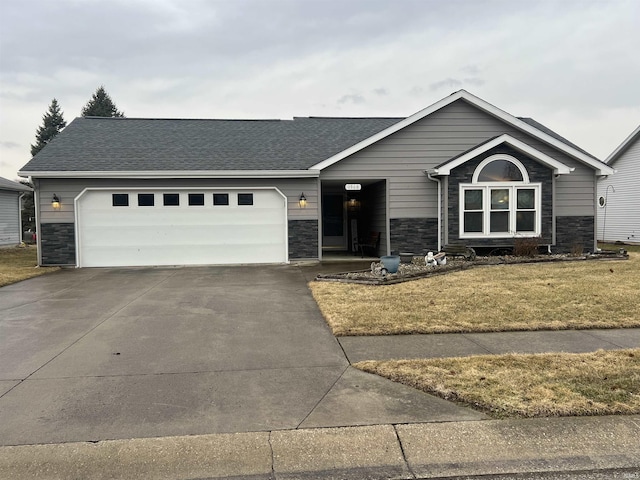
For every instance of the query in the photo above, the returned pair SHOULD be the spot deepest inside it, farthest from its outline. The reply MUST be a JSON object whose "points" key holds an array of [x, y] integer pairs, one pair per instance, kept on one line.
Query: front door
{"points": [[334, 221]]}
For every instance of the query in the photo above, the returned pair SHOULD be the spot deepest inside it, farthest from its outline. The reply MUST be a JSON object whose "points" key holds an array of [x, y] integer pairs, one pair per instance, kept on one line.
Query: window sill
{"points": [[500, 235]]}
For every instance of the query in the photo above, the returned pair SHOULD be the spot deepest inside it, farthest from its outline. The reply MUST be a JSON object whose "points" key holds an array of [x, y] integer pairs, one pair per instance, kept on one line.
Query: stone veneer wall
{"points": [[414, 235], [575, 232], [303, 239], [58, 243], [538, 173]]}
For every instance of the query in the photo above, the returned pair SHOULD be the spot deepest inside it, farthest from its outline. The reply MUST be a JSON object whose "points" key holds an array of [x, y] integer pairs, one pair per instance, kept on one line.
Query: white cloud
{"points": [[572, 65]]}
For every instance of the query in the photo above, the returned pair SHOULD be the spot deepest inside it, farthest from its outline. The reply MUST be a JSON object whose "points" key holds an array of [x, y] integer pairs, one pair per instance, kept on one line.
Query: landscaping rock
{"points": [[418, 268]]}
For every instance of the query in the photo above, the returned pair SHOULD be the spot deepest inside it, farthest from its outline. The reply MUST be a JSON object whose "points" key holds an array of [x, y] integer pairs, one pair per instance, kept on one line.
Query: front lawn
{"points": [[543, 385], [20, 263], [548, 296]]}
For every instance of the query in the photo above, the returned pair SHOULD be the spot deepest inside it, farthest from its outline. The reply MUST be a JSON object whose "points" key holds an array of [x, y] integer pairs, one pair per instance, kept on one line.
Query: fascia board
{"points": [[175, 174], [601, 168], [7, 188], [558, 167], [623, 146]]}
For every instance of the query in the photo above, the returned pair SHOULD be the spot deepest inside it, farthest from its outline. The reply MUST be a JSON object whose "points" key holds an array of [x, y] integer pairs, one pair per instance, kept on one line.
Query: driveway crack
{"points": [[323, 396]]}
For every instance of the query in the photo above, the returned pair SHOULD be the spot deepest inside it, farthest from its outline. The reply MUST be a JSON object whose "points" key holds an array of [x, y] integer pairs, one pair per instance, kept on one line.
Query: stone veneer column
{"points": [[303, 239], [58, 243], [575, 232]]}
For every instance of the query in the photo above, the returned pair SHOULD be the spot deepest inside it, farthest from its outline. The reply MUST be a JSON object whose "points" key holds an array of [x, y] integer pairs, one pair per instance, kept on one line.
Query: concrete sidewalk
{"points": [[434, 450], [464, 344]]}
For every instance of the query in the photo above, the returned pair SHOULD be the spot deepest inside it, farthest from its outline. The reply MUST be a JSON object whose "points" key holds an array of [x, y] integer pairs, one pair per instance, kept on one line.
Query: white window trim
{"points": [[513, 187], [500, 156]]}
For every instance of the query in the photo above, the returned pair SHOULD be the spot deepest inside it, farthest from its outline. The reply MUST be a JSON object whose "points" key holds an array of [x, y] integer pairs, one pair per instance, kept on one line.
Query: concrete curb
{"points": [[430, 450]]}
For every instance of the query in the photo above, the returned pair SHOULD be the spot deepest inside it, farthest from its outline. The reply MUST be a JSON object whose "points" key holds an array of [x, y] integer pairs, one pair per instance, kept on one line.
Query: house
{"points": [[618, 195], [125, 191], [11, 211]]}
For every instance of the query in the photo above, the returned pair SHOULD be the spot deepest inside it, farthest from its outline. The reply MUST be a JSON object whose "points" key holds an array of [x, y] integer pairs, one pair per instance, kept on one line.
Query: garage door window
{"points": [[245, 199], [146, 199], [120, 200], [221, 199], [171, 199], [196, 199]]}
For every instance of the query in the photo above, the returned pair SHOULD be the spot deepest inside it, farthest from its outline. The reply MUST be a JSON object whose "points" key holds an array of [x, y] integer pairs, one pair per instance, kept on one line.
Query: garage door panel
{"points": [[184, 218], [205, 254], [181, 235], [187, 236]]}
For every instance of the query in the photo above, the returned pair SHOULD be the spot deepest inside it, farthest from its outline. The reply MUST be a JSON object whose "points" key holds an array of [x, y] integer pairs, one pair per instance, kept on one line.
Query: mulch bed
{"points": [[418, 269]]}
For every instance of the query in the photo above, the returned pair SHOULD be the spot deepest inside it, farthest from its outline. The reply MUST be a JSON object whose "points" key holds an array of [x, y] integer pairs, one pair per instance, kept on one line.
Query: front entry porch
{"points": [[352, 212]]}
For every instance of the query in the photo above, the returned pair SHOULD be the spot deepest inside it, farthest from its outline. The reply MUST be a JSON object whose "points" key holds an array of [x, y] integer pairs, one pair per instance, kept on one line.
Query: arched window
{"points": [[500, 201], [500, 171], [500, 168]]}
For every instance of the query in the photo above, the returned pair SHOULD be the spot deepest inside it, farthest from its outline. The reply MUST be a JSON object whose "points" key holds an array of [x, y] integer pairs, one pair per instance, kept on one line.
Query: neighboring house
{"points": [[10, 211], [619, 196], [162, 192]]}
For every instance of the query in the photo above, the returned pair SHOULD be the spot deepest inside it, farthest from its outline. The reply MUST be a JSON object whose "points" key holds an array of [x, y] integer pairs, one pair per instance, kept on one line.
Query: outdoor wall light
{"points": [[302, 201], [55, 202]]}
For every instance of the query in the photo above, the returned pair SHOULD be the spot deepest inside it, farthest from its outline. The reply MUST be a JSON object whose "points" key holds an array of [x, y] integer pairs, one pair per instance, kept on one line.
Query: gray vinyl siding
{"points": [[68, 189], [9, 218], [623, 204], [403, 157]]}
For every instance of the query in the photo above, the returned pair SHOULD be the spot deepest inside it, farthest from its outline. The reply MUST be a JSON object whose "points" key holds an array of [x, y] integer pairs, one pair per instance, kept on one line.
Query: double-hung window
{"points": [[500, 201]]}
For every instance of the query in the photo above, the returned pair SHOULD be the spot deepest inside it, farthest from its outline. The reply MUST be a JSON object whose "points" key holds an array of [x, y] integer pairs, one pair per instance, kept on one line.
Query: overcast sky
{"points": [[573, 65]]}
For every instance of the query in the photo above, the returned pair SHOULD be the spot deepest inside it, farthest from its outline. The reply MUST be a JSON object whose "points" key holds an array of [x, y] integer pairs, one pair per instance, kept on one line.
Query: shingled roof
{"points": [[138, 144], [550, 132]]}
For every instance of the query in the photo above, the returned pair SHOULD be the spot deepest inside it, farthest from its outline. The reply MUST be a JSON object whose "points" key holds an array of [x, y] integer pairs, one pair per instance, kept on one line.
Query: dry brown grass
{"points": [[599, 383], [20, 263], [548, 296], [615, 246]]}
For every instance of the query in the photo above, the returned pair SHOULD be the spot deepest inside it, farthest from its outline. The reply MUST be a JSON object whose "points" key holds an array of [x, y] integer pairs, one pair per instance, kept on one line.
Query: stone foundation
{"points": [[575, 234], [58, 243], [414, 235], [303, 239]]}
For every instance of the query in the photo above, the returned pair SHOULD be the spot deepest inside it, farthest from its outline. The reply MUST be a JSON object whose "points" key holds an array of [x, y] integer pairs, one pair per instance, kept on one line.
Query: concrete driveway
{"points": [[96, 354]]}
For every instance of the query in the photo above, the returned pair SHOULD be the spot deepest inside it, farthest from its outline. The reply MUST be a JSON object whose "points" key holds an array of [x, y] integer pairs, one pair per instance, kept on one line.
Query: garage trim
{"points": [[77, 199]]}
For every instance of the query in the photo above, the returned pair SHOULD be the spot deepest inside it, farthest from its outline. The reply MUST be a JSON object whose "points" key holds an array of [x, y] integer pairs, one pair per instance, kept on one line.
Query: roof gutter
{"points": [[142, 174]]}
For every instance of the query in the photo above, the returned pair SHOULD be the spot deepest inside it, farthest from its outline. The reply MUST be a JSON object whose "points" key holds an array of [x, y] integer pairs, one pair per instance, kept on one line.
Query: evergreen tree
{"points": [[52, 124], [101, 105], [28, 209]]}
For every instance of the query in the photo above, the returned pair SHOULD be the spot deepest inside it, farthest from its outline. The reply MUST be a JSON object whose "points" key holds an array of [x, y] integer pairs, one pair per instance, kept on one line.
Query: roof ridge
{"points": [[187, 119], [352, 118]]}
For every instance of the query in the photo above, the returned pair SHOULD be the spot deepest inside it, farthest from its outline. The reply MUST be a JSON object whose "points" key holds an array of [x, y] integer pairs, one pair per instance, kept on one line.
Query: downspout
{"points": [[437, 180], [20, 232], [319, 207], [36, 206]]}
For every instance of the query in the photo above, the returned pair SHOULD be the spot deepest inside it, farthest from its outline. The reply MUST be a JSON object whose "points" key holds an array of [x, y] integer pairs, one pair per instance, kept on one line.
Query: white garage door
{"points": [[181, 227]]}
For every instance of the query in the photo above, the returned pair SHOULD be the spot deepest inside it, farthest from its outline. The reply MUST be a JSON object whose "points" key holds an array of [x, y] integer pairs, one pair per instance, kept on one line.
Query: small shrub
{"points": [[526, 246], [577, 249]]}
